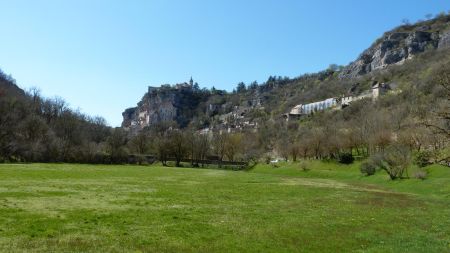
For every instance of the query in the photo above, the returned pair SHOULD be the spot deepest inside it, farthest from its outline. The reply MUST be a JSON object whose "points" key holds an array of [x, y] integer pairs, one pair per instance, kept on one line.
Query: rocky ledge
{"points": [[397, 46]]}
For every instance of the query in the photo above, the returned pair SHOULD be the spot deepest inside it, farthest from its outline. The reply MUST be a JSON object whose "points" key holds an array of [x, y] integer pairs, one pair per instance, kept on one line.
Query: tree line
{"points": [[169, 143]]}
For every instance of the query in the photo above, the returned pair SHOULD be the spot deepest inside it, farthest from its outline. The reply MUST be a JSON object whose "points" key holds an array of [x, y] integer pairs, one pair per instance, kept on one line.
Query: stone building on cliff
{"points": [[376, 90], [159, 104]]}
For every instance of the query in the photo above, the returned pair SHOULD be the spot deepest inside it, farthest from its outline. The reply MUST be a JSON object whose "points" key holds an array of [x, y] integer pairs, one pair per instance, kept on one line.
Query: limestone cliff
{"points": [[185, 104], [165, 103], [399, 45]]}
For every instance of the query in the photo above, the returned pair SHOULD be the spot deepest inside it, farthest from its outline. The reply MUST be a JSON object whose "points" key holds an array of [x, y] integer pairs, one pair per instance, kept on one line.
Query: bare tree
{"points": [[294, 150], [439, 118], [161, 147], [140, 143], [395, 160], [200, 148], [178, 145], [233, 145], [219, 145], [116, 145]]}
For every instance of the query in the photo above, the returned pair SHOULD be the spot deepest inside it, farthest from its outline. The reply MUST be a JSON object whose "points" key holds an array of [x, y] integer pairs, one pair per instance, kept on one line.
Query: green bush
{"points": [[423, 158], [395, 160], [304, 166], [368, 168], [267, 159], [346, 158]]}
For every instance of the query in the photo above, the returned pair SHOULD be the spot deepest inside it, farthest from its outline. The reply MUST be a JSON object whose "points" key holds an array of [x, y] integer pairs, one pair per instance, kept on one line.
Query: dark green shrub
{"points": [[267, 159], [368, 168], [423, 158], [346, 158]]}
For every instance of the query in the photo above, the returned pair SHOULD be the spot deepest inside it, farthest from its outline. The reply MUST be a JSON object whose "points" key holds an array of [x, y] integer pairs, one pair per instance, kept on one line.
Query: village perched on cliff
{"points": [[165, 104], [288, 98]]}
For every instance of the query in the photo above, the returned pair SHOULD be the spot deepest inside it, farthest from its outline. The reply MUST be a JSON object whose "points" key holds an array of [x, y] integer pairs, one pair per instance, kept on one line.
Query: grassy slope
{"points": [[45, 207]]}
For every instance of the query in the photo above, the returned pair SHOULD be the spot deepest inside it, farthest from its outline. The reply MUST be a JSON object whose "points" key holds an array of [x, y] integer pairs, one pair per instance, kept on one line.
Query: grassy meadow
{"points": [[330, 208]]}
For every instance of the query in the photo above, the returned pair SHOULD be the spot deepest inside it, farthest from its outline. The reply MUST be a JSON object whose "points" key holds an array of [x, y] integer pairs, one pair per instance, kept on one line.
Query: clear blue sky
{"points": [[100, 56]]}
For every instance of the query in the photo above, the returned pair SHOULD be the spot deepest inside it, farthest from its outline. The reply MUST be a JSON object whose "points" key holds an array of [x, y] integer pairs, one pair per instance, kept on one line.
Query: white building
{"points": [[338, 103], [319, 106]]}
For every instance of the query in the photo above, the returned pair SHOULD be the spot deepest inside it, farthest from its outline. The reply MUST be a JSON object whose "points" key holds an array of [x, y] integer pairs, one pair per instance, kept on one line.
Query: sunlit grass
{"points": [[331, 207]]}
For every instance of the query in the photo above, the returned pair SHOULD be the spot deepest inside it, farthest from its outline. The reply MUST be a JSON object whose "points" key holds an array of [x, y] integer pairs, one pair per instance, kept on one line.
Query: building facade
{"points": [[297, 111]]}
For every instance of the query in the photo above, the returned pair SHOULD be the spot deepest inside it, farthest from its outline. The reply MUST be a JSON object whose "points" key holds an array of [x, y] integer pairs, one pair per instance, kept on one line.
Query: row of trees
{"points": [[169, 143]]}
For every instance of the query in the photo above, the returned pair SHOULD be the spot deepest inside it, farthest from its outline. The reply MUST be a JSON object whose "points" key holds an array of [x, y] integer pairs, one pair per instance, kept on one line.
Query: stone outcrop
{"points": [[183, 103], [396, 47], [444, 41], [165, 103]]}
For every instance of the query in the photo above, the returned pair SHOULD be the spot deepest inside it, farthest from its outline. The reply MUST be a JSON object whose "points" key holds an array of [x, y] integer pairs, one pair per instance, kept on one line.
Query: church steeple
{"points": [[191, 82]]}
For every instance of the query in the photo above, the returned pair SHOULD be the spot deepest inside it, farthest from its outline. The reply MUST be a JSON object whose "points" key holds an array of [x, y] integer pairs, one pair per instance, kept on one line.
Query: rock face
{"points": [[185, 104], [444, 41], [166, 103], [396, 47]]}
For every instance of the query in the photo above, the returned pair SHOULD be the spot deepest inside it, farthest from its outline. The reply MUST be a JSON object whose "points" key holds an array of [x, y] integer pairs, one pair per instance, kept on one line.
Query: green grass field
{"points": [[331, 208]]}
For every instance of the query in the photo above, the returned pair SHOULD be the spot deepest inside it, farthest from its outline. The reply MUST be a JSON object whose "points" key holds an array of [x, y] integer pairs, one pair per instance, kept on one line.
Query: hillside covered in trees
{"points": [[34, 128]]}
